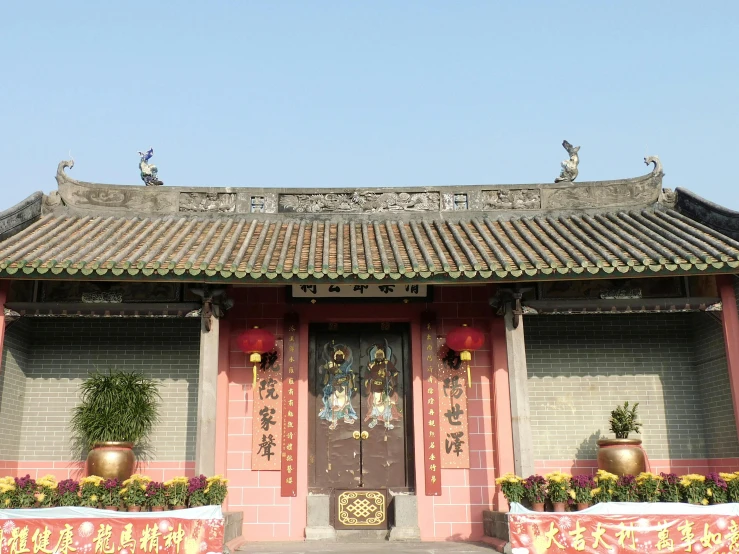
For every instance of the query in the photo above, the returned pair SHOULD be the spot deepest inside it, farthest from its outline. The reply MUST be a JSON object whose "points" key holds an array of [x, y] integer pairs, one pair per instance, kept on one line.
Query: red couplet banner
{"points": [[160, 533], [613, 534]]}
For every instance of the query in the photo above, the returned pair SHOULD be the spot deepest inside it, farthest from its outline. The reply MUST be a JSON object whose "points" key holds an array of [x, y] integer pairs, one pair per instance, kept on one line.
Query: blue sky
{"points": [[366, 94]]}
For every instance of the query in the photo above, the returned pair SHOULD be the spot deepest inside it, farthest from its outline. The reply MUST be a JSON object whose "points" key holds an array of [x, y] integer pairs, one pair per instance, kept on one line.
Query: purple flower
{"points": [[25, 483], [110, 484], [198, 483], [626, 481], [534, 481], [717, 481], [68, 486], [582, 482], [670, 478]]}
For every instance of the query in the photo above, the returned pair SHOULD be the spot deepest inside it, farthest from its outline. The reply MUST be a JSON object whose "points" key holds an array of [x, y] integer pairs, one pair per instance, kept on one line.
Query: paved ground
{"points": [[366, 548]]}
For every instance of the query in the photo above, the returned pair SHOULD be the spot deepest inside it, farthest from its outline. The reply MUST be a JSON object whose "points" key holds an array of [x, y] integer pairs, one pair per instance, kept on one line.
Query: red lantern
{"points": [[255, 342], [465, 340]]}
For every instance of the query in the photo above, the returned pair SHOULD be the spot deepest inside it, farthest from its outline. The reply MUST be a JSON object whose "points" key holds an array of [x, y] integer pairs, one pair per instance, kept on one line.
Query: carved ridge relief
{"points": [[220, 202], [360, 202], [598, 195], [511, 199]]}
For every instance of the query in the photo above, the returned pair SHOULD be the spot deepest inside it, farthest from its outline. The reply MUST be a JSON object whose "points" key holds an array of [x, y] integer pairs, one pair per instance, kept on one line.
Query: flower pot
{"points": [[112, 508], [157, 508], [559, 506], [134, 508], [583, 506], [621, 456], [178, 507], [537, 506], [111, 460]]}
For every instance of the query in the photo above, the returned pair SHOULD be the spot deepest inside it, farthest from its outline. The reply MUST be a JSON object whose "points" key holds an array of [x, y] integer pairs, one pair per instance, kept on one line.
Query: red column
{"points": [[4, 288], [503, 431], [730, 321]]}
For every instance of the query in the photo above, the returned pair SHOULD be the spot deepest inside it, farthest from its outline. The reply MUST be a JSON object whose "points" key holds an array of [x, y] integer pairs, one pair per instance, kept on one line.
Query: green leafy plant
{"points": [[623, 421], [118, 406]]}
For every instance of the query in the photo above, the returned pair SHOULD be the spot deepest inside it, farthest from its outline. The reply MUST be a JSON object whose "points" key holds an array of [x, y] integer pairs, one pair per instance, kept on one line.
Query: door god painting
{"points": [[338, 385], [381, 384]]}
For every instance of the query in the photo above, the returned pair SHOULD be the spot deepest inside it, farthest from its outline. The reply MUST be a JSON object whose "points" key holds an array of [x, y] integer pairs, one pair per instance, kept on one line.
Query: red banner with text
{"points": [[615, 534], [119, 534]]}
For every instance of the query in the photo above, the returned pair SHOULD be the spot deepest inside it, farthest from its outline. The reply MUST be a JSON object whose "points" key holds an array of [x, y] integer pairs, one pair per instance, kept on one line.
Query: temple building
{"points": [[570, 297]]}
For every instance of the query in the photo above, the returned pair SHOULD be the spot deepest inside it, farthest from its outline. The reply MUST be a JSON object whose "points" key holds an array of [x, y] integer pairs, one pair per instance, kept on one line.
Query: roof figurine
{"points": [[149, 171], [569, 167]]}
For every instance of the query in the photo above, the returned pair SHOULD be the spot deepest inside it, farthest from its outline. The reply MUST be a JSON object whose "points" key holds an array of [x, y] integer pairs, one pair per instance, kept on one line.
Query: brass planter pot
{"points": [[621, 456], [111, 460]]}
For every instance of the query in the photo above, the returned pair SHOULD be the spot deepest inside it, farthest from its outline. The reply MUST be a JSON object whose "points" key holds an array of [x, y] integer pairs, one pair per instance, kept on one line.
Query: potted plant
{"points": [[580, 489], [622, 455], [176, 492], [535, 487], [90, 491], [196, 491], [7, 493], [716, 489], [605, 484], [156, 497], [118, 411], [133, 492], [694, 487], [626, 489], [110, 496], [68, 492], [510, 484], [557, 490], [731, 479], [25, 492], [670, 490], [217, 490], [46, 491], [649, 486]]}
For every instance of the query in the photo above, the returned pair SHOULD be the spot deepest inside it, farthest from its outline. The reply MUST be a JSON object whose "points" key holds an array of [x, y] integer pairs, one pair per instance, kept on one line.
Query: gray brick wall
{"points": [[64, 351], [715, 389], [581, 367], [13, 388]]}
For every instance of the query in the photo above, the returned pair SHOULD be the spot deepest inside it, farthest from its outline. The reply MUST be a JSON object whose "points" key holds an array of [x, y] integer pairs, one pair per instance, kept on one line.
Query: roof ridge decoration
{"points": [[149, 171], [419, 202], [569, 167]]}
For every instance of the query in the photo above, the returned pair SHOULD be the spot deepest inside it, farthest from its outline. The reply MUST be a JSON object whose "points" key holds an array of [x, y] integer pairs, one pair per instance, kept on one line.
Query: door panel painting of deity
{"points": [[360, 434]]}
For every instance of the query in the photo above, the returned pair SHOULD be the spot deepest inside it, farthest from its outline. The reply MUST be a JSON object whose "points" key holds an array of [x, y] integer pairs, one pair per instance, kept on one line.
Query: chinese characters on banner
{"points": [[452, 384], [291, 349], [267, 417], [118, 535], [359, 291], [431, 428], [707, 534]]}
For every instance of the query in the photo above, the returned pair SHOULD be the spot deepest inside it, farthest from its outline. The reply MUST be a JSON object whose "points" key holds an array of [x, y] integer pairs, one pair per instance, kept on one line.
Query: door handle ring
{"points": [[356, 435], [364, 435]]}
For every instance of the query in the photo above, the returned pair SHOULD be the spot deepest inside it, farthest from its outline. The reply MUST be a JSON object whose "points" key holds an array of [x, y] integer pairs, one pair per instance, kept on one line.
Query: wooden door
{"points": [[360, 405]]}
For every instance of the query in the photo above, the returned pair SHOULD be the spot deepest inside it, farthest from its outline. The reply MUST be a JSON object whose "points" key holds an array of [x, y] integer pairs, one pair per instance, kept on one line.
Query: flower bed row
{"points": [[560, 489], [134, 495]]}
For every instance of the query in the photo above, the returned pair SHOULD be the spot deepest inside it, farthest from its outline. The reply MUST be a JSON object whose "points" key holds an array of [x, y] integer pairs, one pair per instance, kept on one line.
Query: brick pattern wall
{"points": [[582, 366], [64, 351], [15, 356], [713, 374]]}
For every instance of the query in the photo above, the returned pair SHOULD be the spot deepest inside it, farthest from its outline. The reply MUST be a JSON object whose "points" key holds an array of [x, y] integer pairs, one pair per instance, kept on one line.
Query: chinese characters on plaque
{"points": [[453, 414], [354, 291], [431, 429], [267, 418], [291, 349], [84, 532], [572, 533]]}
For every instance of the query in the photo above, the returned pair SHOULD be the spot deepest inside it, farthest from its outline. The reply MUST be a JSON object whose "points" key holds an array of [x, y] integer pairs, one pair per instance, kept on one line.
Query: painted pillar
{"points": [[502, 429], [730, 324], [205, 442], [523, 443], [4, 288]]}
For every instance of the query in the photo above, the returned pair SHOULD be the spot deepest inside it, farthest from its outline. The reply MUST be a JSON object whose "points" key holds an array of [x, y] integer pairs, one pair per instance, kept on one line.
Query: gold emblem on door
{"points": [[361, 508], [364, 435]]}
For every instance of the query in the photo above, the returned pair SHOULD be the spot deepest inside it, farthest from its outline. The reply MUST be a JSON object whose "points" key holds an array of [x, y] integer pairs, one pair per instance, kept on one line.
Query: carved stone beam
{"points": [[215, 303], [508, 299]]}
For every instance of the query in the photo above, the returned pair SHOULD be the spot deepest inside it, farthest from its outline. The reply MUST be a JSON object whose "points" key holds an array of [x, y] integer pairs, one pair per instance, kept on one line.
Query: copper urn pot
{"points": [[111, 460], [621, 456]]}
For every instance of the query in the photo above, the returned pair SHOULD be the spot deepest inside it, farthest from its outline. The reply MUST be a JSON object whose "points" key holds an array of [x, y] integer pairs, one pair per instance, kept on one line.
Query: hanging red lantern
{"points": [[465, 340], [255, 342]]}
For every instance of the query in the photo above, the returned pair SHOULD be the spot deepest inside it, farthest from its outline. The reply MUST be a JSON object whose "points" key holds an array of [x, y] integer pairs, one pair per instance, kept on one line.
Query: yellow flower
{"points": [[595, 491], [572, 495], [40, 497], [728, 476], [92, 479], [94, 498], [507, 478], [7, 501], [603, 475], [124, 490], [647, 476], [709, 492], [143, 487], [704, 501]]}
